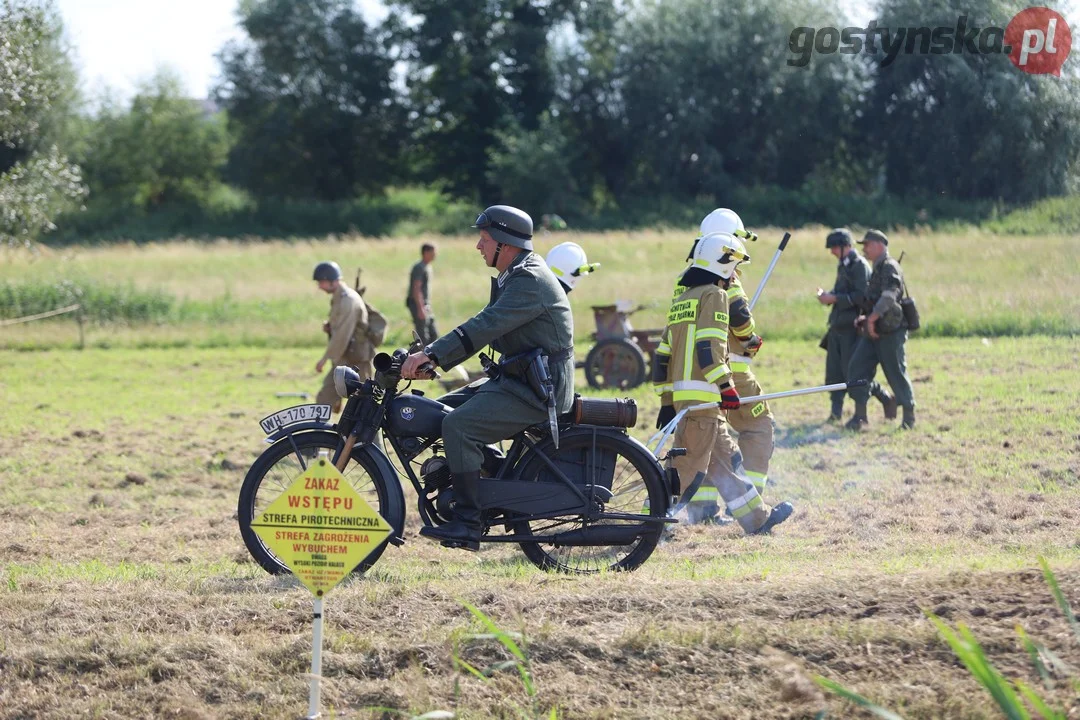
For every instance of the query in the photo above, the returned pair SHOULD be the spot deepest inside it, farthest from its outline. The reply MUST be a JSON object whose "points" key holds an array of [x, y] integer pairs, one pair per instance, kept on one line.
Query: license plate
{"points": [[295, 414]]}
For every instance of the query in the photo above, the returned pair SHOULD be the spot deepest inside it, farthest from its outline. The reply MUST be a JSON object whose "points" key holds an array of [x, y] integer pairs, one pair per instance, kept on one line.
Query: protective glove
{"points": [[753, 344], [729, 399], [666, 415]]}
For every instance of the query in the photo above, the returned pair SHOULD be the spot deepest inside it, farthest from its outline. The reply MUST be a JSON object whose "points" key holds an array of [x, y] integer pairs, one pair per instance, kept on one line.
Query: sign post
{"points": [[321, 529]]}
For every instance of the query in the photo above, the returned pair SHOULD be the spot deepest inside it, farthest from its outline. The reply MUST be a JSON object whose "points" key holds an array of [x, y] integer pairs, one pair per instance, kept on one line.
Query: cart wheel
{"points": [[615, 364]]}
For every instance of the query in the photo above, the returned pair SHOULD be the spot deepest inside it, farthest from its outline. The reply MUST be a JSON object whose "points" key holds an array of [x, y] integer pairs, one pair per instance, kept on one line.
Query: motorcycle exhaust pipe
{"points": [[603, 535]]}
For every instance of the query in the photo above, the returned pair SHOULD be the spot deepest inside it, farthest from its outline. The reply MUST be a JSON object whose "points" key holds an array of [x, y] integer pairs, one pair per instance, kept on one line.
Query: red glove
{"points": [[753, 344], [729, 399]]}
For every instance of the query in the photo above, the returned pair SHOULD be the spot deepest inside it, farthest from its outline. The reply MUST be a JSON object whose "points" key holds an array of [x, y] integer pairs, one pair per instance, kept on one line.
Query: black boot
{"points": [[465, 529], [888, 402], [837, 413], [909, 417], [858, 421], [777, 515]]}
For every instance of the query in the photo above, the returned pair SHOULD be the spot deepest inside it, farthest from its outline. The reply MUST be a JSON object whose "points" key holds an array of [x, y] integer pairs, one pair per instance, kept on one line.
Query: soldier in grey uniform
{"points": [[528, 310], [847, 296], [883, 332]]}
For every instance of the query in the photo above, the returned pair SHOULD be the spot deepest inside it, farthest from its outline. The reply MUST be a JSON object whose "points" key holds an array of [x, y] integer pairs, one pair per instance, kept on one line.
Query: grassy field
{"points": [[243, 294], [125, 590]]}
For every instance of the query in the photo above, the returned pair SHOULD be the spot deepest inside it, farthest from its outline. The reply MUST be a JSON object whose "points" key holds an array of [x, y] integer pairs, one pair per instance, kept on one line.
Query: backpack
{"points": [[377, 322]]}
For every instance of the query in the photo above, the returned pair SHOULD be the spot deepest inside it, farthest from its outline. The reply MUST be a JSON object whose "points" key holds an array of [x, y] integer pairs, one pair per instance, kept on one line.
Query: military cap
{"points": [[875, 235]]}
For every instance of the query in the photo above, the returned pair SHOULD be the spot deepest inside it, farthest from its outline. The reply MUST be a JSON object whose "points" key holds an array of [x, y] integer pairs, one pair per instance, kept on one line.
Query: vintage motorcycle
{"points": [[595, 500]]}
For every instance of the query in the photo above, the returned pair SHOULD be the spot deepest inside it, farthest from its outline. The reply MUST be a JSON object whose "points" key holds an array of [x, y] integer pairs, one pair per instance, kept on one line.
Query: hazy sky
{"points": [[119, 43]]}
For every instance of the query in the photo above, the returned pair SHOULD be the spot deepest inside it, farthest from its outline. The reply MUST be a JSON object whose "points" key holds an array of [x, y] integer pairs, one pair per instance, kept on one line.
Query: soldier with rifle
{"points": [[347, 342], [882, 328], [847, 296]]}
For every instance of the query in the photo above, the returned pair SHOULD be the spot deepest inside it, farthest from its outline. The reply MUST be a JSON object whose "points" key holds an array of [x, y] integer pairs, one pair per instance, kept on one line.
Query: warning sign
{"points": [[321, 528]]}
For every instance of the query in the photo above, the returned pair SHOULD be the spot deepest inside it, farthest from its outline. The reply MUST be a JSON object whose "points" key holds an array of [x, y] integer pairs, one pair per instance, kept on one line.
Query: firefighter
{"points": [[568, 263], [691, 369]]}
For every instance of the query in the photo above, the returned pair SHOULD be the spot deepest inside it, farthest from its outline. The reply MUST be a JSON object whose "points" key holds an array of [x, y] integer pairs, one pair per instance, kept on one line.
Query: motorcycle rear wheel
{"points": [[638, 488]]}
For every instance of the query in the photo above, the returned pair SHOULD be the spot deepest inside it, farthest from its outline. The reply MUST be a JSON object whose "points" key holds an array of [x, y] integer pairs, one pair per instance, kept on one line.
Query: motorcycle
{"points": [[590, 500]]}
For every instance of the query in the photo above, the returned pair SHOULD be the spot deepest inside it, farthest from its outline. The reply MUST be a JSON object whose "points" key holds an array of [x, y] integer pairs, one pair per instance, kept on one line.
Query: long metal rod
{"points": [[668, 430], [768, 272]]}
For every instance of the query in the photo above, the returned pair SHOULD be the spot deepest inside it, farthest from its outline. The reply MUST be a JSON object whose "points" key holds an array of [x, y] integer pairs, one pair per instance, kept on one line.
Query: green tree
{"points": [[476, 67], [37, 90], [165, 149], [534, 169], [971, 125], [709, 99], [310, 101]]}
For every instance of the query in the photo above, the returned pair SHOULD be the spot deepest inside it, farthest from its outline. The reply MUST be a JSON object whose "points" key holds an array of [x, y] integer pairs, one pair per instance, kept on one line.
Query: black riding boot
{"points": [[888, 402], [465, 529]]}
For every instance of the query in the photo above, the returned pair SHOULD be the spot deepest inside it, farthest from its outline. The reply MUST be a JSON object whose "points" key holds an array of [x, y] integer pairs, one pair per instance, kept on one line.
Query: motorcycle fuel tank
{"points": [[416, 416]]}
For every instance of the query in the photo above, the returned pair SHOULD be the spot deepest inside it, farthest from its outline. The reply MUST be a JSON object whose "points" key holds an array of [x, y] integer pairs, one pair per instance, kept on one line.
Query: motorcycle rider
{"points": [[528, 311]]}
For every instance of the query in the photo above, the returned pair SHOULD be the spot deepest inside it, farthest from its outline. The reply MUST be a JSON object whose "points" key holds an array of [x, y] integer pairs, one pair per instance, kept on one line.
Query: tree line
{"points": [[579, 108]]}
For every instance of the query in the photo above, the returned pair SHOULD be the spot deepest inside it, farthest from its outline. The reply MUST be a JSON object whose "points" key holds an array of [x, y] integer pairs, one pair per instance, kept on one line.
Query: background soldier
{"points": [[847, 296], [884, 332], [347, 327], [418, 299], [691, 369], [528, 310]]}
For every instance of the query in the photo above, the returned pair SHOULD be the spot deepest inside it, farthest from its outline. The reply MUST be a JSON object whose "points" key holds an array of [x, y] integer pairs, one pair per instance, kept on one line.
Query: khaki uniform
{"points": [[348, 343], [753, 423], [691, 367]]}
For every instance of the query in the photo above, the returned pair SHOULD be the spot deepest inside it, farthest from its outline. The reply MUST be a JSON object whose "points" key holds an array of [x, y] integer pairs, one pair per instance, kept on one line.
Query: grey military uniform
{"points": [[852, 281], [884, 291], [528, 310]]}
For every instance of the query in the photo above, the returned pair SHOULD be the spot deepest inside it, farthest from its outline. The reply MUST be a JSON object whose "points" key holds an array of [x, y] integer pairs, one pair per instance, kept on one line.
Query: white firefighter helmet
{"points": [[568, 262], [719, 254], [721, 220]]}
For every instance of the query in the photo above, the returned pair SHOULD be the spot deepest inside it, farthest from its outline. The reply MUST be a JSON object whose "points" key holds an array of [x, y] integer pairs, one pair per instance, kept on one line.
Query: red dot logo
{"points": [[1039, 40]]}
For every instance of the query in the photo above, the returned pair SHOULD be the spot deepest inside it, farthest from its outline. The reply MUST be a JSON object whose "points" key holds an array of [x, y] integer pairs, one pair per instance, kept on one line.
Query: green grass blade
{"points": [[971, 654], [1062, 601], [470, 668], [499, 633], [1036, 656], [1044, 710], [856, 698]]}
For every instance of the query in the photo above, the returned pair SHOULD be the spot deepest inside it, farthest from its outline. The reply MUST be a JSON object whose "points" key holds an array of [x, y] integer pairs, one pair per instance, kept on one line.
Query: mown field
{"points": [[126, 591]]}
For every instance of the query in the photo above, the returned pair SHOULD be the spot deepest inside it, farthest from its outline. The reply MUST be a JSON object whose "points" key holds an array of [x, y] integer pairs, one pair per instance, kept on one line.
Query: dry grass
{"points": [[125, 590]]}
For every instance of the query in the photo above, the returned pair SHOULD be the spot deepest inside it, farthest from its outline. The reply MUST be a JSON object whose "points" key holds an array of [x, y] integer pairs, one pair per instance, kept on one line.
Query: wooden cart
{"points": [[617, 361]]}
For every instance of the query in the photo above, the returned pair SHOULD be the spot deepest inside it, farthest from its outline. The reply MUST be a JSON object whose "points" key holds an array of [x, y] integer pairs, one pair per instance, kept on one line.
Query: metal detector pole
{"points": [[768, 272], [668, 430]]}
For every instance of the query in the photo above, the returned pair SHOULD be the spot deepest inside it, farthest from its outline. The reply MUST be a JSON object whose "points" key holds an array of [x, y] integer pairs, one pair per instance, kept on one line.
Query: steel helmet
{"points": [[327, 271], [719, 254], [507, 225], [568, 262], [838, 238]]}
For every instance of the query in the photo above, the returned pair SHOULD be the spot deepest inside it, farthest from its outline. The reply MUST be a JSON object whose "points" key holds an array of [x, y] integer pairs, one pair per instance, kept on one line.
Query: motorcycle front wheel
{"points": [[278, 467]]}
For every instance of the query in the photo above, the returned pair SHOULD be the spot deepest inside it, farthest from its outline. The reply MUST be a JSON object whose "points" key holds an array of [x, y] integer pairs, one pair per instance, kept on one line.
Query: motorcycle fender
{"points": [[298, 428]]}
